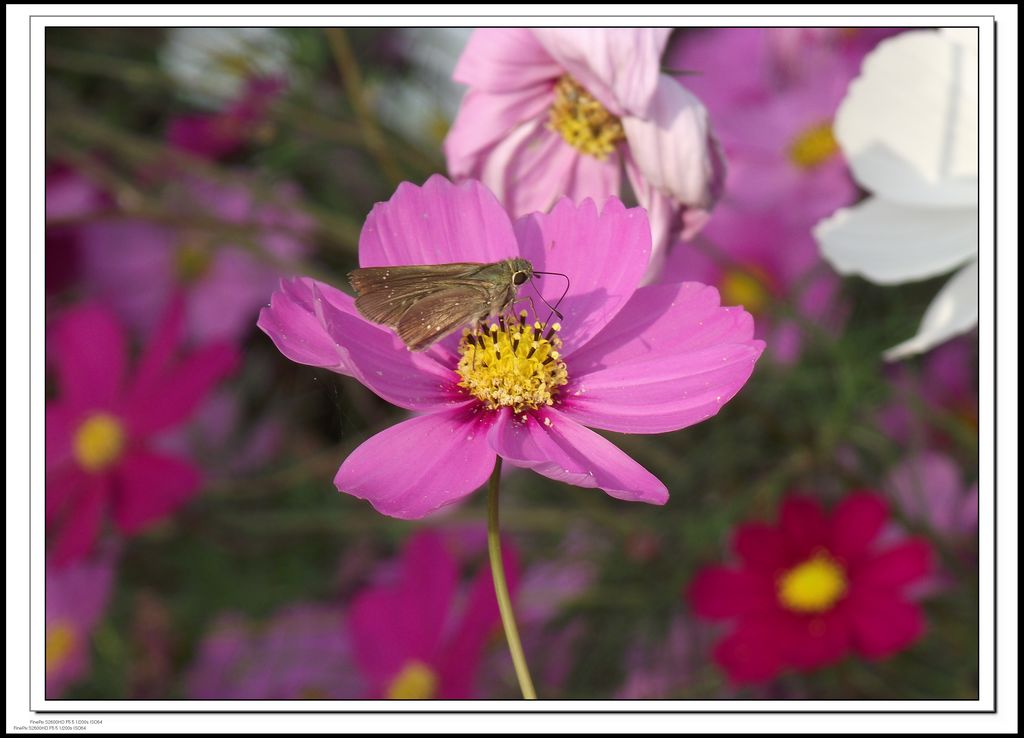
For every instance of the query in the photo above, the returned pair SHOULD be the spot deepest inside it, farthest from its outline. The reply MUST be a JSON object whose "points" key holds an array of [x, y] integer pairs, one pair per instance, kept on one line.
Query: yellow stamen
{"points": [[98, 442], [813, 586], [60, 641], [582, 121], [416, 681], [513, 365], [740, 287], [813, 146]]}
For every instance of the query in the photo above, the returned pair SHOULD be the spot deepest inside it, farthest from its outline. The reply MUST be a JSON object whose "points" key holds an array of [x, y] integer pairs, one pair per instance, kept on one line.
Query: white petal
{"points": [[889, 243], [908, 125], [953, 311]]}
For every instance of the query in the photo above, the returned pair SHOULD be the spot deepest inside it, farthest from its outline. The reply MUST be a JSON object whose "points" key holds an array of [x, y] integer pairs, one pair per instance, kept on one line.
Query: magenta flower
{"points": [[554, 112], [625, 358], [303, 652], [100, 429], [812, 588], [68, 195], [408, 638], [76, 597], [214, 135], [136, 266]]}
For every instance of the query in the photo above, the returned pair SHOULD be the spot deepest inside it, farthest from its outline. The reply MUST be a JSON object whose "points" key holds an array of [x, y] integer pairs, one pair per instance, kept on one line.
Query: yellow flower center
{"points": [[740, 287], [416, 681], [813, 586], [512, 364], [813, 146], [60, 640], [192, 260], [582, 121], [98, 442]]}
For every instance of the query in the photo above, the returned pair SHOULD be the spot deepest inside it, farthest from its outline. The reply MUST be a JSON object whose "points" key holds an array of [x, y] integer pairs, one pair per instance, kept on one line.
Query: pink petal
{"points": [[530, 169], [903, 564], [856, 522], [819, 640], [928, 488], [674, 149], [61, 422], [753, 652], [313, 323], [671, 358], [150, 487], [182, 389], [80, 524], [485, 120], [158, 358], [664, 213], [505, 60], [437, 223], [604, 254], [883, 625], [618, 66], [421, 464], [392, 625], [804, 527], [761, 547], [719, 592], [88, 352], [557, 447]]}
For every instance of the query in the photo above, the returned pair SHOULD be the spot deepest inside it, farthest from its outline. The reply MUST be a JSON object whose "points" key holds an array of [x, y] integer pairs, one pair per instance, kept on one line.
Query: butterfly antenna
{"points": [[554, 308]]}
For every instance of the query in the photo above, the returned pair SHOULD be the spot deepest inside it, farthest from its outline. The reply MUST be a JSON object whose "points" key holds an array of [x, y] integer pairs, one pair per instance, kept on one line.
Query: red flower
{"points": [[813, 588]]}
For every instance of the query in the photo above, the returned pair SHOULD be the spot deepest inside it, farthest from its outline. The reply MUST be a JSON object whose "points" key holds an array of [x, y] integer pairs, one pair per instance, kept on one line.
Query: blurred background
{"points": [[189, 169]]}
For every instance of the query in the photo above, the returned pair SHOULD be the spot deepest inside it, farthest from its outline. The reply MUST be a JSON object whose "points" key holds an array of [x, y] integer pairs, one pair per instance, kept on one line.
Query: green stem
{"points": [[508, 618]]}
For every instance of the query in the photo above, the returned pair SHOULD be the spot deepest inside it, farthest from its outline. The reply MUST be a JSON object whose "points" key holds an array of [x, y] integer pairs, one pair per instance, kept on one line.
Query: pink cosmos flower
{"points": [[813, 588], [303, 652], [100, 429], [214, 135], [409, 639], [76, 597], [625, 358], [68, 195], [929, 490], [554, 112], [136, 266]]}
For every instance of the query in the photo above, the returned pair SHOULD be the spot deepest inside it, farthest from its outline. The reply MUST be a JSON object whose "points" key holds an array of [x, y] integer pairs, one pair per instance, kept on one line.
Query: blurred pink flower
{"points": [[214, 135], [303, 652], [554, 112], [76, 597], [947, 382], [136, 266], [625, 358], [929, 490], [813, 588], [101, 425], [411, 640]]}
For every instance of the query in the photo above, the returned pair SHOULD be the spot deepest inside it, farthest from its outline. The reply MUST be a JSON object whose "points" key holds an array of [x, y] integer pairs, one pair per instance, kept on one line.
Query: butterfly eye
{"points": [[519, 277]]}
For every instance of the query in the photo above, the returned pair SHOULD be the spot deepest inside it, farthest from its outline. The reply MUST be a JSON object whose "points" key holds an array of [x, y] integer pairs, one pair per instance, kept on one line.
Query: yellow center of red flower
{"points": [[416, 681], [60, 640], [813, 146], [512, 364], [192, 261], [813, 586], [741, 287], [582, 121], [98, 442]]}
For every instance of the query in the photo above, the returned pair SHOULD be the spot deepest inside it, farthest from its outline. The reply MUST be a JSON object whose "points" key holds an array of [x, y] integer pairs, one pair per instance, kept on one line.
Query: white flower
{"points": [[212, 65], [909, 129]]}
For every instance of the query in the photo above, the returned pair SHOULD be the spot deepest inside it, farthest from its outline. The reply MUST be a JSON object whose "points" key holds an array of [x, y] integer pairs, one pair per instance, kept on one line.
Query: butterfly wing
{"points": [[431, 318], [384, 294]]}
